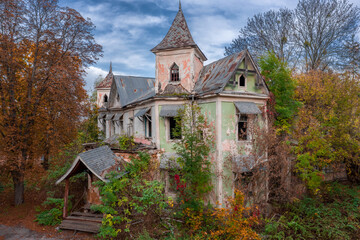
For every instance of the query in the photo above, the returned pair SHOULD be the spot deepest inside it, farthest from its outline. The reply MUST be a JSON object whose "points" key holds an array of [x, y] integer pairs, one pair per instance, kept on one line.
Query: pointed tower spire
{"points": [[178, 36], [110, 70]]}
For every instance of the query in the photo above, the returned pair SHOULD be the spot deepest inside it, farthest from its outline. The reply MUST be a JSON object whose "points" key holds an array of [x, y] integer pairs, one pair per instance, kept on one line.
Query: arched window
{"points": [[105, 98], [242, 81], [174, 73]]}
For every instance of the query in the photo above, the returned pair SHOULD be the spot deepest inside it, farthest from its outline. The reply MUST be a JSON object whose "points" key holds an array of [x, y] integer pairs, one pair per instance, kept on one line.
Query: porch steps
{"points": [[84, 222]]}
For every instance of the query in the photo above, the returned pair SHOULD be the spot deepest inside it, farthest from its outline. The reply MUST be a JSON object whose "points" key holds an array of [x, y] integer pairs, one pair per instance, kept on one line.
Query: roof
{"points": [[178, 36], [134, 89], [142, 112], [246, 163], [95, 160], [169, 110], [247, 108], [214, 76], [106, 82]]}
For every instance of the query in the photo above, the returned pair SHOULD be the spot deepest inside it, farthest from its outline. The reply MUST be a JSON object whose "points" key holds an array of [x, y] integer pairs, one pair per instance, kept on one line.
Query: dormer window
{"points": [[174, 73], [105, 98], [242, 81]]}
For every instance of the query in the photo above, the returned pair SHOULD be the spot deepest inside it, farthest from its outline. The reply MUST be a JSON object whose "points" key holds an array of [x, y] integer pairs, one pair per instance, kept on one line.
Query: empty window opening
{"points": [[174, 129], [105, 98], [242, 128], [148, 127], [175, 73], [242, 81]]}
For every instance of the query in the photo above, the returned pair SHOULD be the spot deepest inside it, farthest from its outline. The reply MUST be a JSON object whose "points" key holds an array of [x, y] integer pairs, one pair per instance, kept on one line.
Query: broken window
{"points": [[130, 127], [174, 128], [174, 73], [147, 123], [242, 81], [242, 127]]}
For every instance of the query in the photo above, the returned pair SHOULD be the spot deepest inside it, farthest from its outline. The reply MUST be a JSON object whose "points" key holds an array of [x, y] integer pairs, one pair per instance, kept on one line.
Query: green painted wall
{"points": [[166, 145], [209, 109], [250, 81], [228, 134]]}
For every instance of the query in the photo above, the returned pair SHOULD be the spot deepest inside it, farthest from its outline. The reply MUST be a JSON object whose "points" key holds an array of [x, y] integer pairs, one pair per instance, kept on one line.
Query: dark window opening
{"points": [[148, 127], [242, 128], [242, 81], [175, 131], [105, 98], [175, 73]]}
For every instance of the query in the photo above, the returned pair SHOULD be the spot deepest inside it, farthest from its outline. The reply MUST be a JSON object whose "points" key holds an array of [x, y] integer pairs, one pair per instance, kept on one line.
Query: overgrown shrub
{"points": [[52, 216], [231, 222], [126, 142], [132, 200], [333, 215]]}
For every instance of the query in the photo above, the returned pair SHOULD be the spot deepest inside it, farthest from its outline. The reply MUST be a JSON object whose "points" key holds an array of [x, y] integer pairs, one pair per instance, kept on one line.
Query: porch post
{"points": [[66, 195]]}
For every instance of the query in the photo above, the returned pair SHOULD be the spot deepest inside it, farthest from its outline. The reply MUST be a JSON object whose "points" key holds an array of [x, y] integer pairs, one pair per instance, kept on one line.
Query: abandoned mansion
{"points": [[230, 92]]}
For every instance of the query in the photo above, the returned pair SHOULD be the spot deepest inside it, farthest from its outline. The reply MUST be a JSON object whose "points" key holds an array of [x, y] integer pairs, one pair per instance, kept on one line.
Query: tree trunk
{"points": [[18, 180]]}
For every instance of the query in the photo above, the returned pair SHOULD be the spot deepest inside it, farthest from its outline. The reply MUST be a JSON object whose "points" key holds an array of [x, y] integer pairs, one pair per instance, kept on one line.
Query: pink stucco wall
{"points": [[189, 67]]}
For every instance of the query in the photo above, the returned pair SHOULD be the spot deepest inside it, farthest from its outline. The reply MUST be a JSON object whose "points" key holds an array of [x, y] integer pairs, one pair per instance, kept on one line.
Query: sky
{"points": [[128, 29]]}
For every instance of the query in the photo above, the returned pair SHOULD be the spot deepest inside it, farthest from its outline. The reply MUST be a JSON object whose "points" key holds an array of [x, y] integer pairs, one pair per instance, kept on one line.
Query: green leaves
{"points": [[283, 87], [129, 196]]}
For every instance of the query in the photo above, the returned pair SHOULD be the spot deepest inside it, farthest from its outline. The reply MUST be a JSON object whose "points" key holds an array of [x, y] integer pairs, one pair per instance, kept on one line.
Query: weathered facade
{"points": [[231, 93]]}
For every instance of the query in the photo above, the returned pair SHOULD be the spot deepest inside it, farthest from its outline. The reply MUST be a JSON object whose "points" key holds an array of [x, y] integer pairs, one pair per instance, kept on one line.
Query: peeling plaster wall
{"points": [[100, 96], [189, 67], [139, 128]]}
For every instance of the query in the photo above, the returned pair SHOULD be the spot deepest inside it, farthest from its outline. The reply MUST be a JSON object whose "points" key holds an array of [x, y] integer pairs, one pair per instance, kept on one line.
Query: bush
{"points": [[52, 216], [334, 215], [232, 223], [131, 200], [126, 142]]}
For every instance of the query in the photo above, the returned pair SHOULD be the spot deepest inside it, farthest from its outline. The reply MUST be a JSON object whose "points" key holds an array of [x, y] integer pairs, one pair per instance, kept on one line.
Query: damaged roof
{"points": [[107, 81], [95, 160], [214, 76], [178, 36], [134, 89]]}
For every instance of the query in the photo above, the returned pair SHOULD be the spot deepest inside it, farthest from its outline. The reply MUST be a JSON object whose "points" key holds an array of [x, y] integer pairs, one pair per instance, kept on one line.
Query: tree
{"points": [[267, 32], [327, 130], [194, 149], [43, 49], [283, 87], [322, 28], [317, 34]]}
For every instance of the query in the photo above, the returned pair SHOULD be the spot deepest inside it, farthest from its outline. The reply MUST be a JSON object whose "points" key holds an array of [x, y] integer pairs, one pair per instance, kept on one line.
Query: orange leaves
{"points": [[232, 221]]}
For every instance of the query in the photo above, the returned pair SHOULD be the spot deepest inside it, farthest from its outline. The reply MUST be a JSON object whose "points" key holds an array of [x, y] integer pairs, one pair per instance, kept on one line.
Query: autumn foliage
{"points": [[43, 49]]}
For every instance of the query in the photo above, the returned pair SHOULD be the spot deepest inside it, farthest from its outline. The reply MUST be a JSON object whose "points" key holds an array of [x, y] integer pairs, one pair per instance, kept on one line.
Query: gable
{"points": [[246, 78]]}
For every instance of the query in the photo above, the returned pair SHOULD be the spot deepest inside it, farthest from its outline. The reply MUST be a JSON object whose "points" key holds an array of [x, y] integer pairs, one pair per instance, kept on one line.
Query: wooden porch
{"points": [[81, 221]]}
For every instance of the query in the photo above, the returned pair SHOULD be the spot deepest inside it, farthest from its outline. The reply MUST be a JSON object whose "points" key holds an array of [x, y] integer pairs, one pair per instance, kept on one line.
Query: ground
{"points": [[18, 222]]}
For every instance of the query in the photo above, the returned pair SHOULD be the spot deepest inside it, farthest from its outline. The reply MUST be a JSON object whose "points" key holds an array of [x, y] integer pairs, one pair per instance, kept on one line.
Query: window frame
{"points": [[239, 81], [244, 119], [169, 136], [174, 76]]}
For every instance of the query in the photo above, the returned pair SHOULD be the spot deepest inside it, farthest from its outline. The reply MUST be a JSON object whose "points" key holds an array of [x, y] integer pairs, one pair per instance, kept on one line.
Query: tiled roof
{"points": [[214, 76], [95, 160], [178, 35], [134, 89], [98, 159], [106, 82]]}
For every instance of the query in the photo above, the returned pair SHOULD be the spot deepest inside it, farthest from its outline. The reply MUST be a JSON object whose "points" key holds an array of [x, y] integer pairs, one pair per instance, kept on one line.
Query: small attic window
{"points": [[242, 81], [174, 73], [105, 98]]}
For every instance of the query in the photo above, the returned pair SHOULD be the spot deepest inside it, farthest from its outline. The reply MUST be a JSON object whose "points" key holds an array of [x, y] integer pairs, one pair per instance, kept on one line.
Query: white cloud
{"points": [[92, 74]]}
